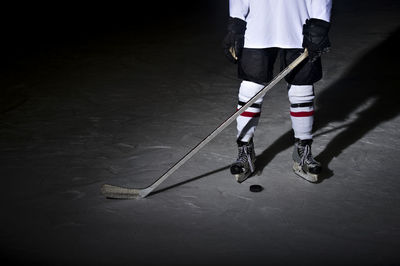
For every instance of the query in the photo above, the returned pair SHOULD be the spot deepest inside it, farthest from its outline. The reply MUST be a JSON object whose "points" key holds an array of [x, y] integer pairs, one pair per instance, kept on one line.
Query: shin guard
{"points": [[248, 120], [301, 99]]}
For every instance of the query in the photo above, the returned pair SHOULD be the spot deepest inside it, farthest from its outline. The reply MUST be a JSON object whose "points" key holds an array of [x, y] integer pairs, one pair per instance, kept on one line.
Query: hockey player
{"points": [[258, 32]]}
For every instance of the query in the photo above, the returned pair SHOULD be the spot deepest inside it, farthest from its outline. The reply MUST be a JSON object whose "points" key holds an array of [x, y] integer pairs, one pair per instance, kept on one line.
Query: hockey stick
{"points": [[116, 192]]}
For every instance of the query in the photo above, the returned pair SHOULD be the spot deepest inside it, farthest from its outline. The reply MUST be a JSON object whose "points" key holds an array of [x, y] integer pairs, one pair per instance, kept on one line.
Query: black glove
{"points": [[315, 37], [234, 40]]}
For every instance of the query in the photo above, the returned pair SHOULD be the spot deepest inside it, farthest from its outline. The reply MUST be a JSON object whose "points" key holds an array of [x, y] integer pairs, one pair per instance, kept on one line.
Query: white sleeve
{"points": [[321, 9], [238, 8]]}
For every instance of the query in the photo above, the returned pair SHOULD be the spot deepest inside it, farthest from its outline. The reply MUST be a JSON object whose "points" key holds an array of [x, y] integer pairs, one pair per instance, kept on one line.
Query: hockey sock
{"points": [[301, 99], [248, 120]]}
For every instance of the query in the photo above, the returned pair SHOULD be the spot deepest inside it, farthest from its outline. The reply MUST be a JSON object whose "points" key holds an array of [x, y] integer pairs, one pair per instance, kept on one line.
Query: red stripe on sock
{"points": [[250, 114], [302, 114]]}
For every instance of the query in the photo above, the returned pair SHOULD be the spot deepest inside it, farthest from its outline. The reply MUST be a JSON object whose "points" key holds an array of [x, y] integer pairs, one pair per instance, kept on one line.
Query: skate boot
{"points": [[244, 165], [305, 165]]}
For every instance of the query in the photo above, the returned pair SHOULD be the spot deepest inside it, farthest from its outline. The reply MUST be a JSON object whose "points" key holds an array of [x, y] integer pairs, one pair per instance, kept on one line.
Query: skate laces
{"points": [[305, 155], [245, 154]]}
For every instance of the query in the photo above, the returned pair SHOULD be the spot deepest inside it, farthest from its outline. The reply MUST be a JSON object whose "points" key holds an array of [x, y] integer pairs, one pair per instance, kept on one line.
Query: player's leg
{"points": [[301, 97], [255, 68]]}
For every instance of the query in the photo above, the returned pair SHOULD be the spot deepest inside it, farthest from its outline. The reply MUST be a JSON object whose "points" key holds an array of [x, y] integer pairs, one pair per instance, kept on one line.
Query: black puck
{"points": [[256, 188]]}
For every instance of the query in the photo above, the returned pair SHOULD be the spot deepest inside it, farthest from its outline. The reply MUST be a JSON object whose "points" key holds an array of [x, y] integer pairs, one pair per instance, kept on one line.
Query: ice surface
{"points": [[123, 106]]}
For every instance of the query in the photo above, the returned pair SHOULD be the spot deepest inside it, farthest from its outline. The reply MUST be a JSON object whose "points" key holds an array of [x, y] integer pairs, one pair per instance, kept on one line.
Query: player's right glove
{"points": [[315, 37], [234, 40]]}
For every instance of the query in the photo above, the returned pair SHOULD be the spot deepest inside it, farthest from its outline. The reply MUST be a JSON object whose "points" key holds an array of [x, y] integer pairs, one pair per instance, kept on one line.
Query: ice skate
{"points": [[304, 164], [244, 165]]}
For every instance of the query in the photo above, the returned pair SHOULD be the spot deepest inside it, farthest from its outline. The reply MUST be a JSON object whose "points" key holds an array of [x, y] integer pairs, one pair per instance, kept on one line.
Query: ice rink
{"points": [[110, 95]]}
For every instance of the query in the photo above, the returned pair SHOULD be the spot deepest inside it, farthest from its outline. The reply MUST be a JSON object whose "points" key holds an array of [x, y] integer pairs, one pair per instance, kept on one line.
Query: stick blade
{"points": [[116, 192]]}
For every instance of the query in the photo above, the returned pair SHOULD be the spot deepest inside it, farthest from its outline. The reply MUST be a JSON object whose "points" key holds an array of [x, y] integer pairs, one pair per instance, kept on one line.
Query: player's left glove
{"points": [[234, 40], [315, 37]]}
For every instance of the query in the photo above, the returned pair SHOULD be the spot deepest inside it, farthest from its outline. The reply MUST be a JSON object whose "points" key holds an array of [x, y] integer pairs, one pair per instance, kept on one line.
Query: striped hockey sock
{"points": [[248, 120], [301, 99]]}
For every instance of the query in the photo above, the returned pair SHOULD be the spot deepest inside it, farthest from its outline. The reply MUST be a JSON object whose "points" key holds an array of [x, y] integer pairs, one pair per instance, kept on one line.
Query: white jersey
{"points": [[277, 23]]}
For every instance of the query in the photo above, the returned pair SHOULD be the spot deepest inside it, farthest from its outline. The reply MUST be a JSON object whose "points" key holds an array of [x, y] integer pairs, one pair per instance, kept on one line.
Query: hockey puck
{"points": [[256, 188]]}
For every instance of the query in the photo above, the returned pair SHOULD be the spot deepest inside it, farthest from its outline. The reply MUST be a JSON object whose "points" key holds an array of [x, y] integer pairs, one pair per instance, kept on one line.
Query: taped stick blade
{"points": [[116, 192]]}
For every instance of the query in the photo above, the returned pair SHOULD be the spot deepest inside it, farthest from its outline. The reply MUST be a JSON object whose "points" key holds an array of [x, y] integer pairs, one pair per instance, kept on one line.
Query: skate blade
{"points": [[241, 177], [298, 170]]}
